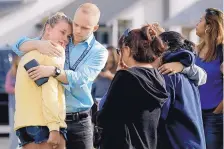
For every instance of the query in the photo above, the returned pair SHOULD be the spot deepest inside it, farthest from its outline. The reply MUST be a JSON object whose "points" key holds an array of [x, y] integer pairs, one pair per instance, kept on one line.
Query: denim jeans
{"points": [[213, 127], [80, 134], [35, 134]]}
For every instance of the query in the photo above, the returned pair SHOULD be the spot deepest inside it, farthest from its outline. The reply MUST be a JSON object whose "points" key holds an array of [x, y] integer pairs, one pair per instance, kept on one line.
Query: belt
{"points": [[76, 116]]}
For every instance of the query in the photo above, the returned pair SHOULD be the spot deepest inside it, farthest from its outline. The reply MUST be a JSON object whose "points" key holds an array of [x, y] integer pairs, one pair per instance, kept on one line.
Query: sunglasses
{"points": [[212, 12], [125, 34]]}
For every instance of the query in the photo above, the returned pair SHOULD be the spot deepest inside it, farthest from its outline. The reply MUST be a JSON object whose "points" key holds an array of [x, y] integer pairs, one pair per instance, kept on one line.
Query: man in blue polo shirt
{"points": [[85, 58]]}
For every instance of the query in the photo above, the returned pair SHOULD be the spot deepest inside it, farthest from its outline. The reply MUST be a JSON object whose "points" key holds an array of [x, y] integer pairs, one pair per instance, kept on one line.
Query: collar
{"points": [[88, 40]]}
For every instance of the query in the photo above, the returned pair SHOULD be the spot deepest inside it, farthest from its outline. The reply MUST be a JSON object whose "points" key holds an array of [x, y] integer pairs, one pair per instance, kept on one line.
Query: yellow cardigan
{"points": [[39, 106]]}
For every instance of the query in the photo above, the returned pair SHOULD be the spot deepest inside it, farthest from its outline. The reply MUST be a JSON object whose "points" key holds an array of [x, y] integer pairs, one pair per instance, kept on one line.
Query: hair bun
{"points": [[149, 32], [152, 32]]}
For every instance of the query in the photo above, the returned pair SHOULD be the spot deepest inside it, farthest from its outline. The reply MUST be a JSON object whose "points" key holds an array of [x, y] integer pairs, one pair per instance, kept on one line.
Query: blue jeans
{"points": [[213, 128], [36, 134], [80, 134]]}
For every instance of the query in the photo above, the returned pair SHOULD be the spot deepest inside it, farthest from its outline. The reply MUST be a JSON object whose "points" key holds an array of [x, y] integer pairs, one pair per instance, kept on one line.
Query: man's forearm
{"points": [[29, 46], [62, 77]]}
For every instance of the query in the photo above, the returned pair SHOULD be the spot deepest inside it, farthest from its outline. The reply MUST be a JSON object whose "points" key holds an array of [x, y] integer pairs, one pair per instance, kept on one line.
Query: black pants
{"points": [[80, 134]]}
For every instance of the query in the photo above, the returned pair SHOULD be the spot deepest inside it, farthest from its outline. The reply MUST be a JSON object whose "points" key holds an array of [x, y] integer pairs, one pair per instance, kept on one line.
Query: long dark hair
{"points": [[176, 41]]}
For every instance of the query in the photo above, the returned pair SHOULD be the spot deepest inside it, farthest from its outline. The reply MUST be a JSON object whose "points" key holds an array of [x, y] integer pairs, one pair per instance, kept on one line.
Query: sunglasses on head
{"points": [[212, 12], [125, 34]]}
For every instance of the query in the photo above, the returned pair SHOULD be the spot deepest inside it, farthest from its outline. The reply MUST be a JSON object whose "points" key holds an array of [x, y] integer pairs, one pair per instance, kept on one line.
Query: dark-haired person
{"points": [[193, 72], [131, 113], [210, 58], [181, 124]]}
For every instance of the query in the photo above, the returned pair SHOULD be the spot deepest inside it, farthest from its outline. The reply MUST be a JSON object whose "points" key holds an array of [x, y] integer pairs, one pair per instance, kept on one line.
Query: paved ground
{"points": [[4, 143], [4, 140]]}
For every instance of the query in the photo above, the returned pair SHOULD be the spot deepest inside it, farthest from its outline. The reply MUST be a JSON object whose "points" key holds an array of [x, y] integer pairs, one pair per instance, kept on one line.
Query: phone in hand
{"points": [[34, 63]]}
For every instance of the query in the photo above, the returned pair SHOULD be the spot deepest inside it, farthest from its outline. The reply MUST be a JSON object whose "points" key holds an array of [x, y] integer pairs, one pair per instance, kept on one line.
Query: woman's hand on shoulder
{"points": [[171, 68]]}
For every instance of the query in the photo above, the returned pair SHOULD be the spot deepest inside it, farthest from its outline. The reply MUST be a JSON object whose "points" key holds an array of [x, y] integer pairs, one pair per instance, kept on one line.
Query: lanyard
{"points": [[85, 52]]}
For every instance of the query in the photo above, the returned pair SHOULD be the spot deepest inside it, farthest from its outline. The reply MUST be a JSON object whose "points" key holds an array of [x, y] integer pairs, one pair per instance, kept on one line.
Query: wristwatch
{"points": [[57, 72]]}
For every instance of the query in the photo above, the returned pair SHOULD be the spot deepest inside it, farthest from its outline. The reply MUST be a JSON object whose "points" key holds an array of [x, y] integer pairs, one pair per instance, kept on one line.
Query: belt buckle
{"points": [[75, 117]]}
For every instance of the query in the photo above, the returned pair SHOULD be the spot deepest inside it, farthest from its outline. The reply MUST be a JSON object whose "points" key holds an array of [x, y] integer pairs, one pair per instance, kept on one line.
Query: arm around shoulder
{"points": [[195, 73], [24, 45]]}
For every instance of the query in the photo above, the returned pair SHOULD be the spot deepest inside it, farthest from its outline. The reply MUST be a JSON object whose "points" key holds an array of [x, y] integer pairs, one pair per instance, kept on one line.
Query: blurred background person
{"points": [[10, 89], [102, 82]]}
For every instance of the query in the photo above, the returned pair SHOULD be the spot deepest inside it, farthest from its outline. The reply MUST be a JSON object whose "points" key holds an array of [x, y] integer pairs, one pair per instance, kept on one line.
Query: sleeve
{"points": [[115, 100], [170, 87], [50, 96], [89, 71], [195, 73], [16, 46], [8, 84]]}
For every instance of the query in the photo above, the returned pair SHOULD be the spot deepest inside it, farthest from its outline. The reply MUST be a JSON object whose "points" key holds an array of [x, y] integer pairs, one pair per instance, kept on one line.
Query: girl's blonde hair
{"points": [[54, 19]]}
